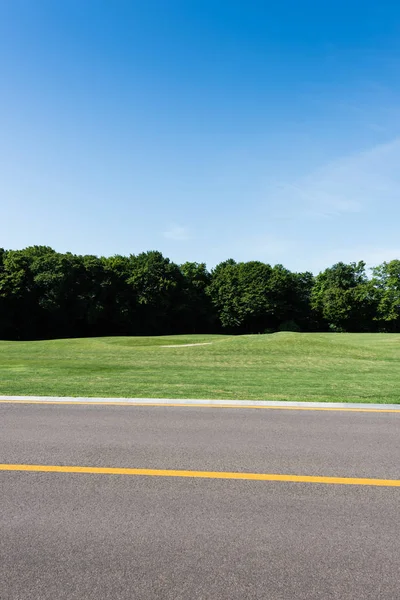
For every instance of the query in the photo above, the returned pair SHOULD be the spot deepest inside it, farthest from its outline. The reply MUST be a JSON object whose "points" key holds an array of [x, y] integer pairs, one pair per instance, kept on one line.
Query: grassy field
{"points": [[281, 366]]}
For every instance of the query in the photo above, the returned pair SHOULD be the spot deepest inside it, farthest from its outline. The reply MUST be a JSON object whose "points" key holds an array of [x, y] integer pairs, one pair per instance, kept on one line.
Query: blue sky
{"points": [[205, 129]]}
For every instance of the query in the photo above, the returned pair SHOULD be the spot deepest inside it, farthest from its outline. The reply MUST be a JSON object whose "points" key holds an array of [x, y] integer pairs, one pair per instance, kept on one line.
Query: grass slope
{"points": [[282, 366]]}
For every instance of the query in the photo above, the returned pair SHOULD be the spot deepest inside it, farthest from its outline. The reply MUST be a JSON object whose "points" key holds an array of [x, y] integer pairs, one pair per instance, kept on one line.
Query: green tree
{"points": [[119, 315], [197, 314], [254, 297], [342, 297], [157, 284], [44, 293], [386, 283], [239, 291], [225, 291], [20, 301]]}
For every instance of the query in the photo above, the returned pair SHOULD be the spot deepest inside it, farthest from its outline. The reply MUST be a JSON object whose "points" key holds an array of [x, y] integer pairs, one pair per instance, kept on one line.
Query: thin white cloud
{"points": [[177, 233], [348, 185], [371, 255]]}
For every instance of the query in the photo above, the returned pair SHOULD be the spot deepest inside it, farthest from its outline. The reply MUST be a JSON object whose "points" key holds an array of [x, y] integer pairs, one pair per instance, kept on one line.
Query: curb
{"points": [[350, 407]]}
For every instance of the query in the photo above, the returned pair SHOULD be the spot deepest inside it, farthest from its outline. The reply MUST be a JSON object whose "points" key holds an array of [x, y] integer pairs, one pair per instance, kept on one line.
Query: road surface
{"points": [[107, 536]]}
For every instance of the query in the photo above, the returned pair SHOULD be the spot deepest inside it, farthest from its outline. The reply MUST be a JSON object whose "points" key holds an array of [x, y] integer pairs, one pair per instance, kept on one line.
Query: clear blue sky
{"points": [[205, 129]]}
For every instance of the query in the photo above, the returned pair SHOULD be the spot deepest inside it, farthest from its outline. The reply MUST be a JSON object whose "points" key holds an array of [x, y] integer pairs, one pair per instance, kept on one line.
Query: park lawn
{"points": [[282, 366]]}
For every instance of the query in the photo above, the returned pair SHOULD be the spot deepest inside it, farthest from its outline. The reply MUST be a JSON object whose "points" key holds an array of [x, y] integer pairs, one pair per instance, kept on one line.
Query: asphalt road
{"points": [[92, 536]]}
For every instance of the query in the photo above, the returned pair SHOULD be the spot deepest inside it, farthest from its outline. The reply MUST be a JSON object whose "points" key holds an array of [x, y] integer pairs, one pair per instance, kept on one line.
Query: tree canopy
{"points": [[47, 294]]}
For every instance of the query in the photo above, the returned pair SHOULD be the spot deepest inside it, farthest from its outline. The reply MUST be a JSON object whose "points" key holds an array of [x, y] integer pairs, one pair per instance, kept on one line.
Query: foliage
{"points": [[342, 296], [255, 297], [386, 283], [46, 294]]}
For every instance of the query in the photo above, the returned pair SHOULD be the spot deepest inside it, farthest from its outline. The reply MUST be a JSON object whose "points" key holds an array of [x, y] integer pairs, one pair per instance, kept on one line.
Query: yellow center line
{"points": [[203, 474], [183, 405]]}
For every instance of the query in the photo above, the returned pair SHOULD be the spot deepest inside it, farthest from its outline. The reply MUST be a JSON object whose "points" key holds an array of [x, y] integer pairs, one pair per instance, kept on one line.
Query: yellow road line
{"points": [[178, 405], [202, 474]]}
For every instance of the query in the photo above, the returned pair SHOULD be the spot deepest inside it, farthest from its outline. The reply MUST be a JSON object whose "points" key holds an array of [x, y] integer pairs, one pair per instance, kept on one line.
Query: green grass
{"points": [[282, 366]]}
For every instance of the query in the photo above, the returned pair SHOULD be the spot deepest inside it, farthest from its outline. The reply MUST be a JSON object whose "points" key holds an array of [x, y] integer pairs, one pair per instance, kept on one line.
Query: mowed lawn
{"points": [[281, 366]]}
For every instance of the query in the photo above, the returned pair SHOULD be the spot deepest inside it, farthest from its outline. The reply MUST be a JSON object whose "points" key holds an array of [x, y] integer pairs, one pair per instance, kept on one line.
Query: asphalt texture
{"points": [[80, 536]]}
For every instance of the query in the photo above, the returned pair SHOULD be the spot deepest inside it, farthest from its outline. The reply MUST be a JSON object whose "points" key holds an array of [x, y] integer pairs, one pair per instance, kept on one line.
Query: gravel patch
{"points": [[186, 345]]}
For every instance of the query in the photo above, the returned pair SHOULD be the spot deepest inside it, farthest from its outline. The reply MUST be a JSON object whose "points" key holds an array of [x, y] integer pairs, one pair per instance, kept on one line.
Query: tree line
{"points": [[46, 294]]}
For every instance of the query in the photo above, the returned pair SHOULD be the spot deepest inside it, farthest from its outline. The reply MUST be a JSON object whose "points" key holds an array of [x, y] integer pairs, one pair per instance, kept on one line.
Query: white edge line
{"points": [[189, 401]]}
